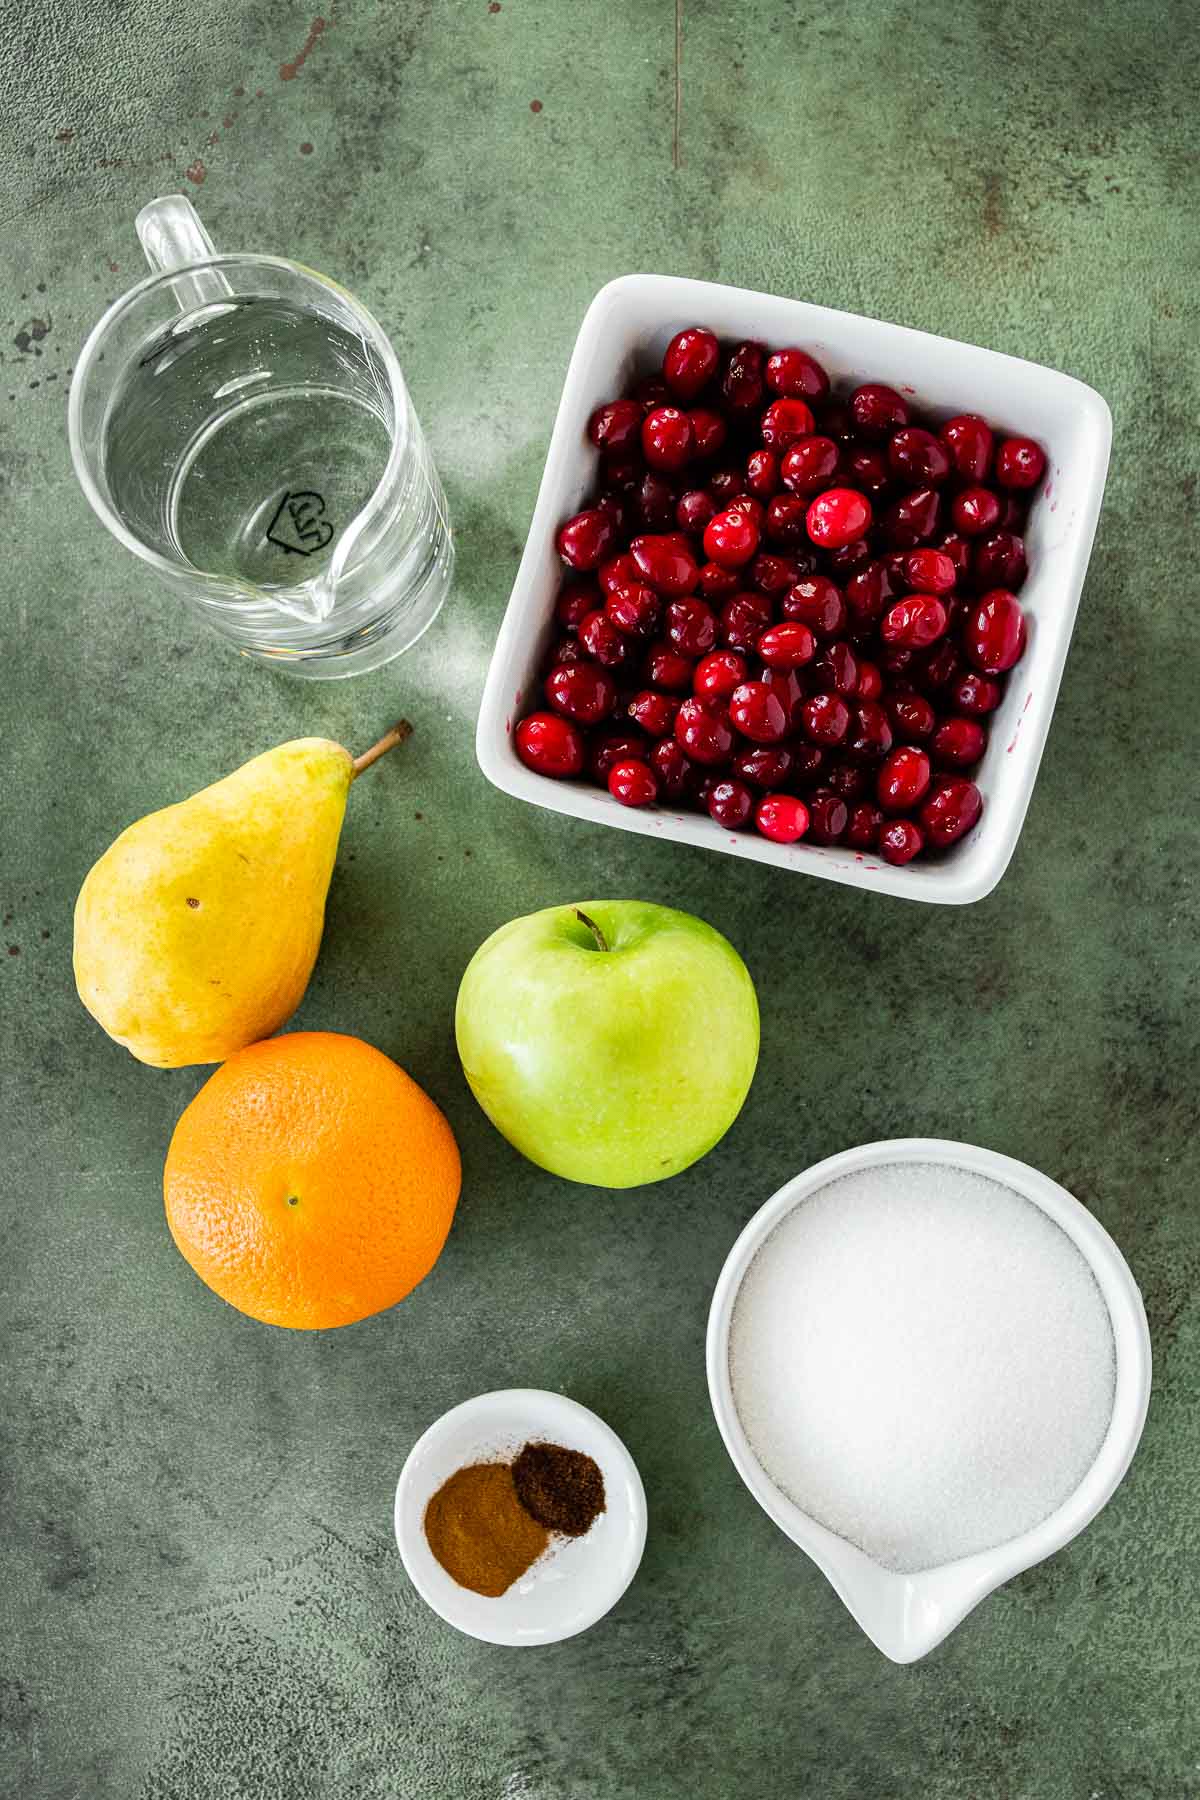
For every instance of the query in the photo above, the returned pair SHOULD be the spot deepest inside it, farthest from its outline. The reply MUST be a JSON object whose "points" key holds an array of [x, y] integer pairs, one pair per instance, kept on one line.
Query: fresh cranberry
{"points": [[786, 515], [708, 431], [838, 517], [810, 464], [632, 783], [566, 651], [976, 694], [877, 409], [849, 779], [959, 742], [868, 593], [703, 733], [929, 571], [667, 562], [825, 718], [654, 712], [958, 549], [551, 745], [619, 511], [757, 714], [618, 572], [1020, 463], [691, 625], [666, 438], [838, 424], [835, 670], [730, 803], [865, 824], [911, 714], [691, 361], [994, 632], [774, 574], [656, 502], [744, 618], [870, 734], [694, 510], [828, 817], [634, 609], [651, 391], [666, 668], [903, 778], [671, 767], [938, 667], [999, 561], [762, 474], [817, 603], [782, 818], [752, 507], [795, 372], [808, 760], [574, 604], [726, 484], [765, 765], [1014, 509], [968, 438], [900, 841], [744, 379], [916, 456], [870, 680], [730, 538], [717, 583], [895, 660], [869, 469], [582, 692], [616, 426], [787, 646], [609, 747], [913, 519], [785, 685], [603, 642], [975, 511], [622, 473], [584, 541], [915, 623], [784, 421], [715, 677], [951, 810]]}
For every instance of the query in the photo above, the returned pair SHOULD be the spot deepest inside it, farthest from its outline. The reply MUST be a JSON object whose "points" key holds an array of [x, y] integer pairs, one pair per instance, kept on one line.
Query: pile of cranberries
{"points": [[792, 611]]}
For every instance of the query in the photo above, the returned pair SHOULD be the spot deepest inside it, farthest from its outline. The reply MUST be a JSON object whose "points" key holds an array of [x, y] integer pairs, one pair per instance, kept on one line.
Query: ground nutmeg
{"points": [[563, 1489]]}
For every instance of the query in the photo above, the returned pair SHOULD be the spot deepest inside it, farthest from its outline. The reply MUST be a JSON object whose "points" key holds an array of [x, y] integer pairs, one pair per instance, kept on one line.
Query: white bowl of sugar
{"points": [[931, 1367]]}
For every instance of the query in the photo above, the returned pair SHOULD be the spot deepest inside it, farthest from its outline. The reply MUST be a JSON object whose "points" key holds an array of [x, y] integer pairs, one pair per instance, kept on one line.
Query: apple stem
{"points": [[400, 730], [601, 940]]}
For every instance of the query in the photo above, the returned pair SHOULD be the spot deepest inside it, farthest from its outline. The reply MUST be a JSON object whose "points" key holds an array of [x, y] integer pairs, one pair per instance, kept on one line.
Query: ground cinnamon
{"points": [[480, 1532]]}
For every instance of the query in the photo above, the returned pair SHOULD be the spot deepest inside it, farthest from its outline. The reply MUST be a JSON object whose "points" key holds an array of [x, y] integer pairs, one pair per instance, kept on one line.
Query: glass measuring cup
{"points": [[242, 425]]}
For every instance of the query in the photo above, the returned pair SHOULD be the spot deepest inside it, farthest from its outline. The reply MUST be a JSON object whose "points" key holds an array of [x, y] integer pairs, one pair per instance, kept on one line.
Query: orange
{"points": [[311, 1182]]}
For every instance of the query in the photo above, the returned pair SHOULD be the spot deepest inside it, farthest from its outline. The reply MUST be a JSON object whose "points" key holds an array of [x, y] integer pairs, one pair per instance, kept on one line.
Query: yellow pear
{"points": [[197, 930]]}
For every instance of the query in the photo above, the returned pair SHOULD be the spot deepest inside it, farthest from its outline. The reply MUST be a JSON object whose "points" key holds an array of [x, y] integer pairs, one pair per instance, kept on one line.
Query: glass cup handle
{"points": [[172, 235]]}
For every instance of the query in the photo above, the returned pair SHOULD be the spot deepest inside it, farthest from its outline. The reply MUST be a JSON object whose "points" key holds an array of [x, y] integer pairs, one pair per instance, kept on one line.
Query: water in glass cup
{"points": [[230, 446], [241, 423]]}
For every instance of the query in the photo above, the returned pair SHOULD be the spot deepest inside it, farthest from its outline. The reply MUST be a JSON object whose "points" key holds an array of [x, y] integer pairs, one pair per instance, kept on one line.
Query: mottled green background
{"points": [[201, 1597]]}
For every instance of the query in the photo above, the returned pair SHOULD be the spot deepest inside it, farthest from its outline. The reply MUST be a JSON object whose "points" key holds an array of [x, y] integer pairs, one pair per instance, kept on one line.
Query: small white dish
{"points": [[906, 1616], [580, 1579], [624, 333]]}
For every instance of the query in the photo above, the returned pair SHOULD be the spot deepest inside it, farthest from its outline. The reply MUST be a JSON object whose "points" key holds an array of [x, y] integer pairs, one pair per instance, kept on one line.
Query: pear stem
{"points": [[400, 730], [601, 940]]}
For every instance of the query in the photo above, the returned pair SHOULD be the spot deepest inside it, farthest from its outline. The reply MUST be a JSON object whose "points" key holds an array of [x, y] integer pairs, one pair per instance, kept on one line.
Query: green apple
{"points": [[612, 1042]]}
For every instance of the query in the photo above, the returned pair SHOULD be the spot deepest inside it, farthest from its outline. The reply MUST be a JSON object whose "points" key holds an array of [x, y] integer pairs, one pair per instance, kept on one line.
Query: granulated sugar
{"points": [[922, 1360]]}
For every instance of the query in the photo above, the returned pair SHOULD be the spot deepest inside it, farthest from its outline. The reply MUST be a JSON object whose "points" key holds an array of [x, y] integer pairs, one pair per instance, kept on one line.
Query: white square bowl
{"points": [[624, 333]]}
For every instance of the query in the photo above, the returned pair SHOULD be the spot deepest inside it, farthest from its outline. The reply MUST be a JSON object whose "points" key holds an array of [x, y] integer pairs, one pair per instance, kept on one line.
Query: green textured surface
{"points": [[201, 1596]]}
